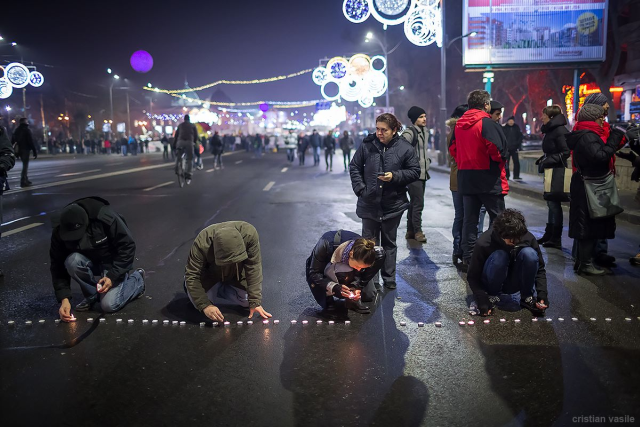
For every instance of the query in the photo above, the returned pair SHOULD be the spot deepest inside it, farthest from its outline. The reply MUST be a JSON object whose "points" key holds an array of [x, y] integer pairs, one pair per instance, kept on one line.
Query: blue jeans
{"points": [[316, 155], [483, 213], [83, 271], [224, 291], [501, 276], [124, 150], [456, 231], [555, 213]]}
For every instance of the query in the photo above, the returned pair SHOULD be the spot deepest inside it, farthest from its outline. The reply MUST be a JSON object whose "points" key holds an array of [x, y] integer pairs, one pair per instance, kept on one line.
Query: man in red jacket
{"points": [[480, 150]]}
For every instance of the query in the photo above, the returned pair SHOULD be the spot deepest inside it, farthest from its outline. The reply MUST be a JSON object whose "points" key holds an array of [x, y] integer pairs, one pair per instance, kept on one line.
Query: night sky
{"points": [[206, 42]]}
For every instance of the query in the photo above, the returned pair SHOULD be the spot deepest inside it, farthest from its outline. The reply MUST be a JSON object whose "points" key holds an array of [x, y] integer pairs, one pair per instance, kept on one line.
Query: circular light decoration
{"points": [[337, 67], [391, 7], [379, 58], [36, 79], [356, 78], [264, 107], [17, 74], [421, 26], [6, 89], [360, 64], [141, 61], [356, 11], [319, 75]]}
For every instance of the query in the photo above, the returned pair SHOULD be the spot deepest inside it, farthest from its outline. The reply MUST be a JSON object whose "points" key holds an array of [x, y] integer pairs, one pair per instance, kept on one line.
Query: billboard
{"points": [[520, 32]]}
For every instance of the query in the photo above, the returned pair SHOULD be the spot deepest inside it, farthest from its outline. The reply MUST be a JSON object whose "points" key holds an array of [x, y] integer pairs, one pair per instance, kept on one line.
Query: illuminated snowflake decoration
{"points": [[356, 11], [355, 79], [17, 74], [6, 89], [36, 79], [421, 18]]}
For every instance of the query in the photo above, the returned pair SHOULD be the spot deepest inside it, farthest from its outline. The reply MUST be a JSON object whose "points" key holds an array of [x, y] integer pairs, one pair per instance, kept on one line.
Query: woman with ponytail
{"points": [[341, 268]]}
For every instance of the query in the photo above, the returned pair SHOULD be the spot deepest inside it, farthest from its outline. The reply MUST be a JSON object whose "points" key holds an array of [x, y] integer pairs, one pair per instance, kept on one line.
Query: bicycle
{"points": [[181, 162]]}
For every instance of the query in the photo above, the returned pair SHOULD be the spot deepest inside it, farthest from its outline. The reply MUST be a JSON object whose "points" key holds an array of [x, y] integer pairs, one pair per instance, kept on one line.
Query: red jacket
{"points": [[480, 149]]}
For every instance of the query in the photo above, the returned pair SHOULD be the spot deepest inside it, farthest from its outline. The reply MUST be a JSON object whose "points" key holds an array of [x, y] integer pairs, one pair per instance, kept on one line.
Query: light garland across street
{"points": [[279, 104]]}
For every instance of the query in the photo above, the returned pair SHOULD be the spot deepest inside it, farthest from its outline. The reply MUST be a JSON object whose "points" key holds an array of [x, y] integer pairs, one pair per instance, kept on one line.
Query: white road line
{"points": [[79, 173], [88, 178], [269, 185], [114, 164], [210, 170], [446, 232], [238, 162], [18, 230], [284, 169], [158, 186]]}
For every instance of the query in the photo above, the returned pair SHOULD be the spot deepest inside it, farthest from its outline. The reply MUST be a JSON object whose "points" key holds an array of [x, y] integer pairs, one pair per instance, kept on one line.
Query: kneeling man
{"points": [[225, 262]]}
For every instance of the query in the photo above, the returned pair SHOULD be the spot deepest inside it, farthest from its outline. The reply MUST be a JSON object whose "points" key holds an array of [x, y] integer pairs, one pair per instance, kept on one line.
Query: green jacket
{"points": [[228, 252]]}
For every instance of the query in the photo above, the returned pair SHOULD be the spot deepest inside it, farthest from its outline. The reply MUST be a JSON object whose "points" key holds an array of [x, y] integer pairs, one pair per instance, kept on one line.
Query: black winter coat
{"points": [[378, 200], [23, 138], [7, 156], [591, 156], [554, 143], [216, 145], [329, 143], [513, 134], [107, 242]]}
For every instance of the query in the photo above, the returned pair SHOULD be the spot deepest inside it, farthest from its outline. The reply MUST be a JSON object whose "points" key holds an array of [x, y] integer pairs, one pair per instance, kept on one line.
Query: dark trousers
{"points": [[301, 158], [217, 160], [516, 164], [456, 230], [472, 204], [165, 152], [24, 156], [501, 276], [346, 157], [416, 206], [328, 159], [384, 233], [555, 213]]}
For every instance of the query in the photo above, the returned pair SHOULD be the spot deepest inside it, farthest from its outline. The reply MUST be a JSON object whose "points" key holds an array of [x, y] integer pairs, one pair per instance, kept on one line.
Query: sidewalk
{"points": [[532, 186]]}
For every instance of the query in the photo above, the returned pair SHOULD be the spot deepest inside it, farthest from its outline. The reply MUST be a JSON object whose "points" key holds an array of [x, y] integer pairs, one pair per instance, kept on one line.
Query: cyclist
{"points": [[186, 137]]}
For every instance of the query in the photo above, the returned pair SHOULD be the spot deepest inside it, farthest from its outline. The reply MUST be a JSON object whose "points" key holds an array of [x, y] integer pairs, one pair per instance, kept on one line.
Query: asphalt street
{"points": [[381, 369]]}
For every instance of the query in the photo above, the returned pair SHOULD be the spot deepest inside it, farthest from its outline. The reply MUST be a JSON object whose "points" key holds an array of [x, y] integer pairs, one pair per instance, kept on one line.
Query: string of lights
{"points": [[229, 82], [279, 104]]}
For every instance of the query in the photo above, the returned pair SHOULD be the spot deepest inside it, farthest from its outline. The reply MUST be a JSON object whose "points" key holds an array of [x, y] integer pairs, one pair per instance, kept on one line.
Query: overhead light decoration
{"points": [[17, 75], [6, 89], [353, 79], [421, 18], [331, 117]]}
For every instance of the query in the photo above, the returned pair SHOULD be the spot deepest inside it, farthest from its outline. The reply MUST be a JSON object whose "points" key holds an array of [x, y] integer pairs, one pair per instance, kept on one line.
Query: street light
{"points": [[443, 74], [14, 44], [383, 46], [109, 70], [117, 77]]}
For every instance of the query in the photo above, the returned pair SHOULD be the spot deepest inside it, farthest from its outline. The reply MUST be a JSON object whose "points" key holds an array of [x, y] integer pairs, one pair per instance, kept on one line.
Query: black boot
{"points": [[547, 234], [556, 238]]}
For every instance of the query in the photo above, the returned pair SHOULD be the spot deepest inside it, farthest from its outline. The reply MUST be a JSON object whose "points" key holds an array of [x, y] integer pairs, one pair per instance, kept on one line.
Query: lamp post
{"points": [[443, 74], [383, 46]]}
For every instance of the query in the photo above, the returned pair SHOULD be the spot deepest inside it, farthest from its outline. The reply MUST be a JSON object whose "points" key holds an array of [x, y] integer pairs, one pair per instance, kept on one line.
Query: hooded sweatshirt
{"points": [[479, 148], [228, 252]]}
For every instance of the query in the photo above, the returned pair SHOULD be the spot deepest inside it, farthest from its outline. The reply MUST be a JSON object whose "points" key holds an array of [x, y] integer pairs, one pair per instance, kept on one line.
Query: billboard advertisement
{"points": [[520, 32]]}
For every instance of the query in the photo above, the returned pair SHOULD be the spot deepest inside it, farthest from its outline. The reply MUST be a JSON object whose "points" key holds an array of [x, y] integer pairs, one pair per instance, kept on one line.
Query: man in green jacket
{"points": [[225, 263]]}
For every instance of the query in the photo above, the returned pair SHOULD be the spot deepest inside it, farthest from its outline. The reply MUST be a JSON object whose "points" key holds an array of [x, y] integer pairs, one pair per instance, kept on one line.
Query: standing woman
{"points": [[458, 207], [381, 169], [329, 144], [346, 145], [556, 153], [593, 152]]}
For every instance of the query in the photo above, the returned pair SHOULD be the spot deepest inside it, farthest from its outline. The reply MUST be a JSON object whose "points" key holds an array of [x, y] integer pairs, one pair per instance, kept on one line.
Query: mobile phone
{"points": [[382, 173]]}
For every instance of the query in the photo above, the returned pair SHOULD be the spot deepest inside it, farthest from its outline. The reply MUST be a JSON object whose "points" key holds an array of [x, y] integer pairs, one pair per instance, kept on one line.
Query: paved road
{"points": [[371, 372]]}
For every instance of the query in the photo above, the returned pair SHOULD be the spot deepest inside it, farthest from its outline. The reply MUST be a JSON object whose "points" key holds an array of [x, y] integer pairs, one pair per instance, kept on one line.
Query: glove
{"points": [[631, 156]]}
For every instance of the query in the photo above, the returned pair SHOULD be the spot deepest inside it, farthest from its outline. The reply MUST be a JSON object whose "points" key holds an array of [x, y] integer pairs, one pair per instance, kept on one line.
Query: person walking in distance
{"points": [[291, 143], [165, 147], [417, 136], [217, 148], [514, 143], [479, 148], [23, 143], [303, 144], [316, 141], [186, 137], [381, 169], [346, 145], [329, 143]]}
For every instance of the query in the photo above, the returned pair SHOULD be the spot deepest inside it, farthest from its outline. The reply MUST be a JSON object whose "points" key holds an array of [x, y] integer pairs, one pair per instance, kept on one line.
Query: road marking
{"points": [[114, 164], [269, 185], [158, 186], [210, 170], [284, 169], [79, 173], [88, 178], [18, 230], [238, 162], [446, 233]]}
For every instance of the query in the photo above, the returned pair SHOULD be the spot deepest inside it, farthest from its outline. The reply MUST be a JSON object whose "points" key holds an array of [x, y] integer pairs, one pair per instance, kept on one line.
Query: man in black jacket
{"points": [[7, 160], [22, 139], [514, 143], [90, 240], [506, 260], [381, 169]]}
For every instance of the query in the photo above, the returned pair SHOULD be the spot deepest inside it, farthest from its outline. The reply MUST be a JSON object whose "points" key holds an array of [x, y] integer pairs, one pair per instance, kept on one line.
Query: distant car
{"points": [[532, 142]]}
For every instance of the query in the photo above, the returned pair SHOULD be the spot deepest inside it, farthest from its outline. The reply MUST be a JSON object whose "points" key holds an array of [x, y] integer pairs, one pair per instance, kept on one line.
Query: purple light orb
{"points": [[141, 61], [264, 107]]}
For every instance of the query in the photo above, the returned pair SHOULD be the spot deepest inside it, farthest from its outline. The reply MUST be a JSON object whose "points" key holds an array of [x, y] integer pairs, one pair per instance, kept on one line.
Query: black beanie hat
{"points": [[414, 113]]}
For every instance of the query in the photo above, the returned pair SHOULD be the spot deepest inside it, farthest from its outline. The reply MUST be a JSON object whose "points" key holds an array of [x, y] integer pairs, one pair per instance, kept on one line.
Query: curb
{"points": [[520, 189]]}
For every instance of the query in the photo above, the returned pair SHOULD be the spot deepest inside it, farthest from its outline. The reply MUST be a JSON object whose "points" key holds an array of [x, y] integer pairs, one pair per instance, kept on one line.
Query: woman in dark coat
{"points": [[217, 148], [592, 156], [556, 153], [381, 169]]}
